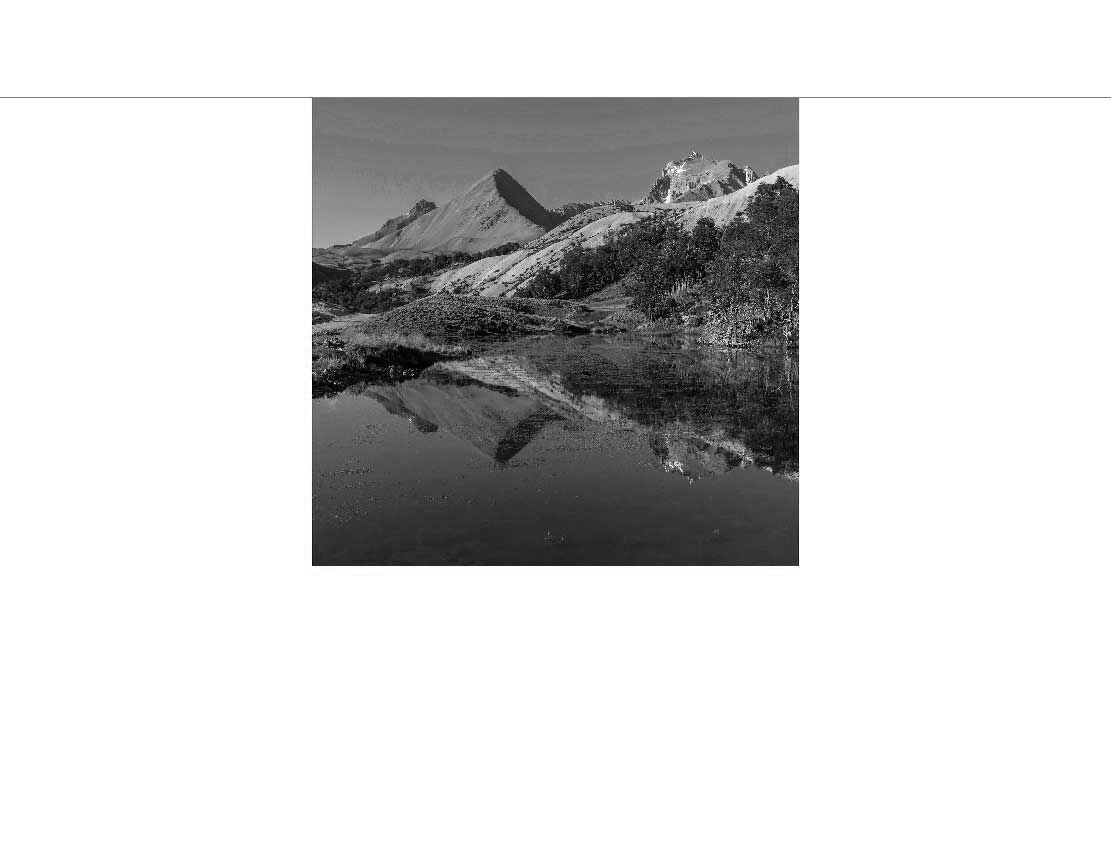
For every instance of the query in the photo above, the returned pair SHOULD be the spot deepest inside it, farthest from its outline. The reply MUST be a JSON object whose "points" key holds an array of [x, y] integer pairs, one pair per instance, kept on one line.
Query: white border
{"points": [[930, 684]]}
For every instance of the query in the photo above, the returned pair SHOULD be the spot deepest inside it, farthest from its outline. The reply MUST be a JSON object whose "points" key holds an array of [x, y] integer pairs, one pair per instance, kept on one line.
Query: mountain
{"points": [[698, 178], [503, 275], [493, 211], [392, 225], [570, 210], [497, 210]]}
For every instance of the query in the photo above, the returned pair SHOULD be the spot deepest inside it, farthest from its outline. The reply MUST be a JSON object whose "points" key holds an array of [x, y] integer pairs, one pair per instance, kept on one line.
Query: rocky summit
{"points": [[698, 178]]}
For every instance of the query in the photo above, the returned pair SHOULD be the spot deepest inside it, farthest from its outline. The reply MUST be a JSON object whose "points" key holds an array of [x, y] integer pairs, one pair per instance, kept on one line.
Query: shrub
{"points": [[748, 272], [754, 278], [545, 285]]}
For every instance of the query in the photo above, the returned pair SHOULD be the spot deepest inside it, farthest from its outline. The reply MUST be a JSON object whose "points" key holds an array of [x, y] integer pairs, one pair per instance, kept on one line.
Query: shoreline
{"points": [[401, 343]]}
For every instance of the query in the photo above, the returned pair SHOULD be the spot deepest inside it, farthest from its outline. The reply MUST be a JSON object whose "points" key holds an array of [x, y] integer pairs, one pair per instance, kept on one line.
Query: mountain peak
{"points": [[493, 177], [513, 193], [698, 178], [495, 210]]}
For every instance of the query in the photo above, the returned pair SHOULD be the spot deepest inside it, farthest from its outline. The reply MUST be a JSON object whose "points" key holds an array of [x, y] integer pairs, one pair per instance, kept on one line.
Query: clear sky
{"points": [[374, 158]]}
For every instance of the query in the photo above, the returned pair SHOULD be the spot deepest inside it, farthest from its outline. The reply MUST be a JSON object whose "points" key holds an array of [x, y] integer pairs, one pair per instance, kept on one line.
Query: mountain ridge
{"points": [[392, 225], [570, 210], [494, 210], [505, 274]]}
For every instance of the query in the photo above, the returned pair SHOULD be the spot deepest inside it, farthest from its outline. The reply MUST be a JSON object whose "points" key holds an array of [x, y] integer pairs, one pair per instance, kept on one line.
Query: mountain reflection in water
{"points": [[705, 411], [564, 451]]}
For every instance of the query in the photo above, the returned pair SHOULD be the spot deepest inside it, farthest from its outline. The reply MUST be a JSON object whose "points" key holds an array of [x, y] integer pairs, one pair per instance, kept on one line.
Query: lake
{"points": [[635, 450]]}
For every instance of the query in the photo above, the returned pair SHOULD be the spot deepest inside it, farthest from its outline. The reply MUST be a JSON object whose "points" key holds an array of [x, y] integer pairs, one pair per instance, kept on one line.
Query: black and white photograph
{"points": [[555, 331]]}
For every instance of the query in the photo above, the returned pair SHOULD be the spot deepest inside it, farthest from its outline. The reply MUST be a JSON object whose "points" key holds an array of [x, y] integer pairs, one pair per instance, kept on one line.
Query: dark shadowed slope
{"points": [[516, 196]]}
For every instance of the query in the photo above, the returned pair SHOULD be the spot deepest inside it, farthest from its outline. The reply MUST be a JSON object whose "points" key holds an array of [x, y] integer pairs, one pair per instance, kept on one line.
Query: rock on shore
{"points": [[463, 318]]}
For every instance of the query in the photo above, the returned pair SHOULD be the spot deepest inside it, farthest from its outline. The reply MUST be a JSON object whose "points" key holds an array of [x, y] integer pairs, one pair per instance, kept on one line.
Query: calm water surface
{"points": [[564, 451]]}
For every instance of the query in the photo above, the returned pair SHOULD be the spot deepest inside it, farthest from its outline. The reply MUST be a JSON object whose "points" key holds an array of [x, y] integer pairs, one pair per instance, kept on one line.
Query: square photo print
{"points": [[555, 331]]}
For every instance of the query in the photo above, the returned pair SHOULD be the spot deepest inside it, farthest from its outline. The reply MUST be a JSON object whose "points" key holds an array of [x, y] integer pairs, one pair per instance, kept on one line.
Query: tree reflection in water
{"points": [[729, 406], [706, 410]]}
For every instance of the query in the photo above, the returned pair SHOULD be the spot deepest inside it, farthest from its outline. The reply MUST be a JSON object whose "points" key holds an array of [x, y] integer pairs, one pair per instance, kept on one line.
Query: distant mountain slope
{"points": [[570, 210], [495, 210], [496, 276], [392, 225], [698, 178]]}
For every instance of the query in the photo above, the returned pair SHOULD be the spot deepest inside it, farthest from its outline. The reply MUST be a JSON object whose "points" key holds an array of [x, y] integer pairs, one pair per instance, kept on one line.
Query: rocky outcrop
{"points": [[392, 225], [698, 178]]}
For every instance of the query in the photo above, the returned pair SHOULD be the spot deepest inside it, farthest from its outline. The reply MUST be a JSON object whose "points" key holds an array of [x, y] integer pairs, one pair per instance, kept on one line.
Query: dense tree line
{"points": [[754, 278], [744, 278], [746, 273], [656, 250]]}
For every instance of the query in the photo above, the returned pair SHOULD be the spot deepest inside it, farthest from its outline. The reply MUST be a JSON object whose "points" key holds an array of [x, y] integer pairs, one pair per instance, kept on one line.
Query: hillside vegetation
{"points": [[368, 289], [505, 275], [743, 277], [725, 267]]}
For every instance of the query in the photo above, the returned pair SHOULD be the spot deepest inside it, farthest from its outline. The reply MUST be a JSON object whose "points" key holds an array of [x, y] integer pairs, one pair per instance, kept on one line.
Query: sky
{"points": [[374, 158]]}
